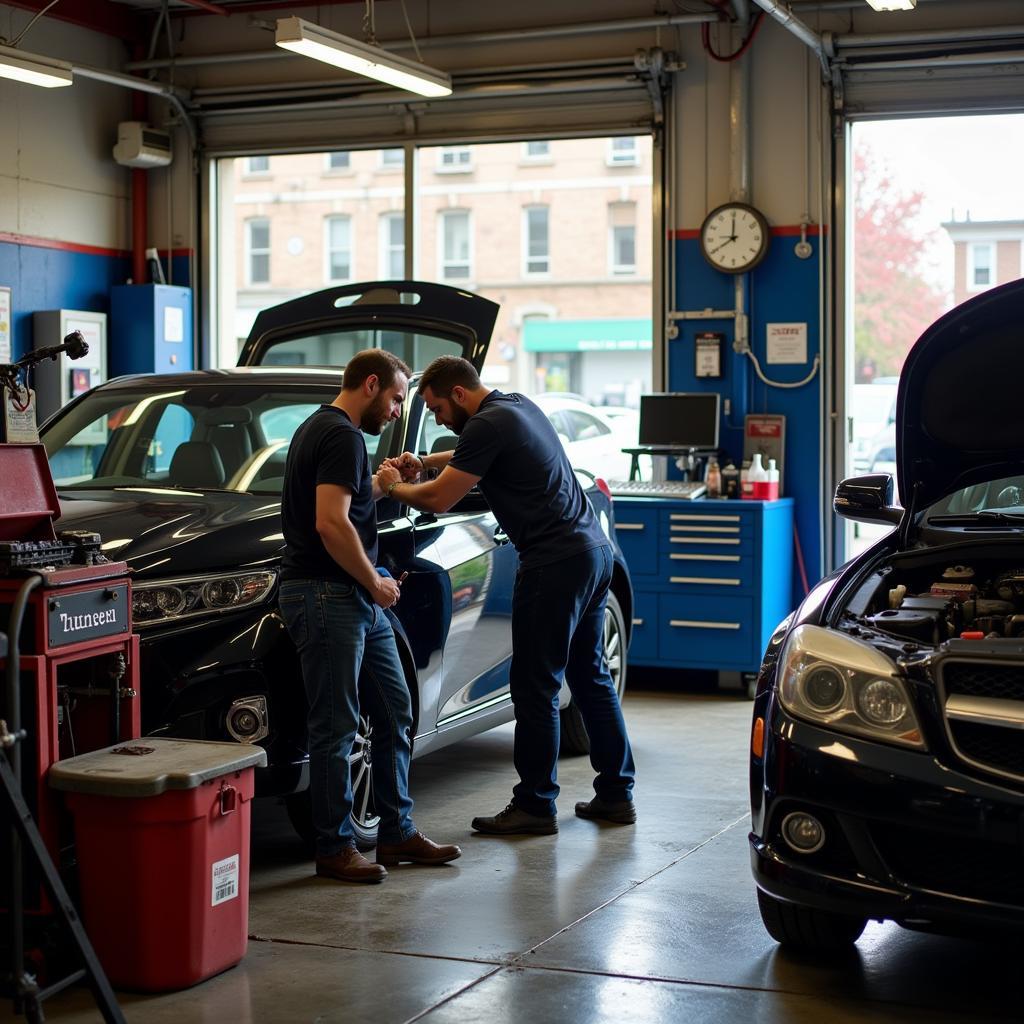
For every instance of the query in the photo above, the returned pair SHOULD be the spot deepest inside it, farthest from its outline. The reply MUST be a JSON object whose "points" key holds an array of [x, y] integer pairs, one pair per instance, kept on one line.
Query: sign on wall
{"points": [[787, 343]]}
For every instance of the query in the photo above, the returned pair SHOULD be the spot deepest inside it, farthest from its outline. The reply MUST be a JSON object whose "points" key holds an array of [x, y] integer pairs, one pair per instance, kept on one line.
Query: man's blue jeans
{"points": [[558, 632], [348, 655]]}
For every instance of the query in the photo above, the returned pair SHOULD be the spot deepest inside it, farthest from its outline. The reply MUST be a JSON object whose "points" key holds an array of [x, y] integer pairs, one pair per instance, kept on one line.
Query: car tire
{"points": [[574, 738], [807, 929], [365, 820]]}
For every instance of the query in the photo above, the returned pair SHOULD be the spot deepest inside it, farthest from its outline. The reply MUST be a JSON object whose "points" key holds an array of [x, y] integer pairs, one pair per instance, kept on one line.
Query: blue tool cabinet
{"points": [[711, 579]]}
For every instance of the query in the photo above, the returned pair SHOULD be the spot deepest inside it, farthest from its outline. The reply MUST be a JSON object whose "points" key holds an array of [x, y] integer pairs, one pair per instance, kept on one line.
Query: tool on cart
{"points": [[71, 662]]}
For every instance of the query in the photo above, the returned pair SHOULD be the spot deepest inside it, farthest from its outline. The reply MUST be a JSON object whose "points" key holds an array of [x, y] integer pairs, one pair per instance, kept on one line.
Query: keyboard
{"points": [[657, 488]]}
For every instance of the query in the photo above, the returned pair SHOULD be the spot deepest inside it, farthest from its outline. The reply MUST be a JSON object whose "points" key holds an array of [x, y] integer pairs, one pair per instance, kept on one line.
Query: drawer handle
{"points": [[638, 622], [679, 517], [704, 540], [704, 579], [706, 529], [676, 556], [630, 526], [695, 624]]}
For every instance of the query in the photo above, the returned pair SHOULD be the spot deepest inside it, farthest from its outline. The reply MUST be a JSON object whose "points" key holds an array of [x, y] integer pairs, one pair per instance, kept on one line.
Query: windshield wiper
{"points": [[985, 517]]}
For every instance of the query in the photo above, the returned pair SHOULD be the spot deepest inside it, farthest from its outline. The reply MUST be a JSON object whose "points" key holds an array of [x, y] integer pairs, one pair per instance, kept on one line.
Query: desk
{"points": [[711, 579]]}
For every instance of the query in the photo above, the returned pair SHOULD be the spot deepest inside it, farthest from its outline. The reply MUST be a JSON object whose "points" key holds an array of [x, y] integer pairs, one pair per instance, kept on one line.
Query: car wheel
{"points": [[365, 820], [573, 732], [807, 929]]}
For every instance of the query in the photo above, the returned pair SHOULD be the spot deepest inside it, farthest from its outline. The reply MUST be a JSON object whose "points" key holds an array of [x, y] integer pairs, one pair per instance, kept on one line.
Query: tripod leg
{"points": [[14, 804]]}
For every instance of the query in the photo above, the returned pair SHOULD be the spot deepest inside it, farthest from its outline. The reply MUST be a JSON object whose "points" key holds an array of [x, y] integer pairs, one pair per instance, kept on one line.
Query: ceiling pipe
{"points": [[205, 5], [954, 60], [469, 38], [789, 21], [958, 35]]}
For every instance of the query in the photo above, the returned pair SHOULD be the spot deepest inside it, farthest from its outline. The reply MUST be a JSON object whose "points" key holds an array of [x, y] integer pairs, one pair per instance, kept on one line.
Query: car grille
{"points": [[994, 747], [957, 865]]}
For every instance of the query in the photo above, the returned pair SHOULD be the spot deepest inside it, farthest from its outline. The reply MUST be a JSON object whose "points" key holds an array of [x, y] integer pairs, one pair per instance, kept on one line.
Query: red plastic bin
{"points": [[162, 841]]}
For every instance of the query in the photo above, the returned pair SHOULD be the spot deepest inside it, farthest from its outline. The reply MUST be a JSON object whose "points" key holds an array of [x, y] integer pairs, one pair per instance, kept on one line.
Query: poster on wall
{"points": [[5, 324], [787, 343]]}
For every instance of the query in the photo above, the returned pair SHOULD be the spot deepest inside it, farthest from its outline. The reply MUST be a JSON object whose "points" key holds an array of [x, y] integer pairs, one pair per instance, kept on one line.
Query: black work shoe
{"points": [[620, 812], [512, 821]]}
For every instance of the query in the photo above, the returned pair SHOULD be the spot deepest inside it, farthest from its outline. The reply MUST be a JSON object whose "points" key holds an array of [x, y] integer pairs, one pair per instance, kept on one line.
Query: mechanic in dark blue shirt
{"points": [[333, 602], [508, 448]]}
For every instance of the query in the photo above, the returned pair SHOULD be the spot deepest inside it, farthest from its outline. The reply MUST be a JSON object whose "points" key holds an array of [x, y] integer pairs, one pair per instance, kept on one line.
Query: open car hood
{"points": [[960, 405], [393, 314]]}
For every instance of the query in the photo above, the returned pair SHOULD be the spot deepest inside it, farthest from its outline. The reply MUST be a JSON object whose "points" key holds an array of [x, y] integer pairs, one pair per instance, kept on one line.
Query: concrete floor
{"points": [[656, 923]]}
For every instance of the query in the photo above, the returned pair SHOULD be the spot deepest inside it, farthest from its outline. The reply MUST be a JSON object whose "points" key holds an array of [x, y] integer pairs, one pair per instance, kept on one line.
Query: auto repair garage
{"points": [[756, 268]]}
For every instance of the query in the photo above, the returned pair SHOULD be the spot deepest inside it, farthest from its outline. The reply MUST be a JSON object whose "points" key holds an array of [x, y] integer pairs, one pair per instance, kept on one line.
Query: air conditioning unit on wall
{"points": [[138, 145]]}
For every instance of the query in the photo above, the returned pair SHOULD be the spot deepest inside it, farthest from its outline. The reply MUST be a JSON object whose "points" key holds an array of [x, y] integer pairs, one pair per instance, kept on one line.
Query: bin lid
{"points": [[152, 765]]}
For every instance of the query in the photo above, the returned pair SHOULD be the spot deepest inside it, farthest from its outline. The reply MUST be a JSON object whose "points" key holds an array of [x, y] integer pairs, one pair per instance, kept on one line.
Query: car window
{"points": [[335, 348], [1005, 494], [207, 436], [583, 426], [434, 437]]}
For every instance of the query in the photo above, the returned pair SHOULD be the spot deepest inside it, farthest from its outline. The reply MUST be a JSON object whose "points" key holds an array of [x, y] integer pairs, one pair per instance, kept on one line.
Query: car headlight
{"points": [[833, 680], [188, 597]]}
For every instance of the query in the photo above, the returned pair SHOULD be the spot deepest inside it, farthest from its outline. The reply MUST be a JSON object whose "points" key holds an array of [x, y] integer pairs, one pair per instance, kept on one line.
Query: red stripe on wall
{"points": [[90, 250], [782, 229]]}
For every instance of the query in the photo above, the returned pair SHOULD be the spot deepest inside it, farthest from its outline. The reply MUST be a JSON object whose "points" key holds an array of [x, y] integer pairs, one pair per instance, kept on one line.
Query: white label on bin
{"points": [[225, 880]]}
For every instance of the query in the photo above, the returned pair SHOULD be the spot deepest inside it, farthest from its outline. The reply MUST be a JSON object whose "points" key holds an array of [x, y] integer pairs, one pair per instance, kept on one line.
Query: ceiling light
{"points": [[27, 67], [311, 40], [893, 5]]}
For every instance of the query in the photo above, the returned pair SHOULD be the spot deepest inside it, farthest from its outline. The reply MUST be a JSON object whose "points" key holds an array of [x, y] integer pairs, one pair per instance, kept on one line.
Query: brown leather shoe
{"points": [[349, 865], [417, 849]]}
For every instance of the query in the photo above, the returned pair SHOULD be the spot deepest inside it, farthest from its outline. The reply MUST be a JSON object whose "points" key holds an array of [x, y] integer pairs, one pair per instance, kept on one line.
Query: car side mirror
{"points": [[867, 499]]}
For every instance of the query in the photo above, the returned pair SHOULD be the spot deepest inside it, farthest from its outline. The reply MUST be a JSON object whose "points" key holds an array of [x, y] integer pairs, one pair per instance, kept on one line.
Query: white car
{"points": [[592, 439]]}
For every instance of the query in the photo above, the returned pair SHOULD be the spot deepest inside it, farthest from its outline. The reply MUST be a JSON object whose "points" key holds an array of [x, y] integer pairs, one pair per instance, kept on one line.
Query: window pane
{"points": [[339, 243], [392, 157], [537, 248], [456, 245], [259, 234], [259, 164], [393, 246], [339, 161], [536, 149], [624, 255]]}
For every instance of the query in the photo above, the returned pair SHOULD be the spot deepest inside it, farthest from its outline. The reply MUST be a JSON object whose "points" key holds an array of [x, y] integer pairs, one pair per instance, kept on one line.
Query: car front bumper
{"points": [[907, 837]]}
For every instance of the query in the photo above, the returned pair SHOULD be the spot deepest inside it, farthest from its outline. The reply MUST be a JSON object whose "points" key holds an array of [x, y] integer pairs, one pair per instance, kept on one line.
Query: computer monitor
{"points": [[679, 420]]}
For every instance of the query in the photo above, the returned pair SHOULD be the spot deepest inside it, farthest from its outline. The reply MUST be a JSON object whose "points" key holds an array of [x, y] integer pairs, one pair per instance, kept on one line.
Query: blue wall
{"points": [[41, 277], [782, 289]]}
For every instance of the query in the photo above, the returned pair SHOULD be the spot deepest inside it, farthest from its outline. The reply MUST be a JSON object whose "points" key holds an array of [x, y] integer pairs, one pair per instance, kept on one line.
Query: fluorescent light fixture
{"points": [[893, 5], [27, 67], [311, 40]]}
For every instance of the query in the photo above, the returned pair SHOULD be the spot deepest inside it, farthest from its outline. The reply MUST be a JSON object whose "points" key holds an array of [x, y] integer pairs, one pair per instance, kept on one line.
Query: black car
{"points": [[887, 765], [181, 476]]}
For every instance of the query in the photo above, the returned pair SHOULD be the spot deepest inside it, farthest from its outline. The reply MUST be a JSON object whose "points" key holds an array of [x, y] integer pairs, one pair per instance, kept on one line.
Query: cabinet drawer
{"points": [[643, 646], [708, 571], [706, 630], [702, 521], [636, 530]]}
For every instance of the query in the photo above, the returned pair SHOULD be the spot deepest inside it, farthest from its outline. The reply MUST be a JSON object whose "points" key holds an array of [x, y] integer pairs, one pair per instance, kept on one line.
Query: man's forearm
{"points": [[424, 497], [436, 460]]}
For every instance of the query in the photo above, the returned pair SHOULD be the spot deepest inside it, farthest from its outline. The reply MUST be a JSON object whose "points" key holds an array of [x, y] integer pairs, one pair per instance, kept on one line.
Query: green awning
{"points": [[587, 335]]}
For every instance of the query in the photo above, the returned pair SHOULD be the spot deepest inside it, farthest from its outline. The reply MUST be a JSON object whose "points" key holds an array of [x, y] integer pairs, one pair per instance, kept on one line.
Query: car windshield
{"points": [[1005, 495], [216, 435]]}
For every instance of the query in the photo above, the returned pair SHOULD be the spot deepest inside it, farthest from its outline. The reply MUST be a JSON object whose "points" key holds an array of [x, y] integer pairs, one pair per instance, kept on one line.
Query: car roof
{"points": [[313, 375]]}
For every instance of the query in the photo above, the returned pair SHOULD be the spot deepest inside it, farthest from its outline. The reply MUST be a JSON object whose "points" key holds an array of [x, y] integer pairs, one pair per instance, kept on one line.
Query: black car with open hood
{"points": [[887, 751]]}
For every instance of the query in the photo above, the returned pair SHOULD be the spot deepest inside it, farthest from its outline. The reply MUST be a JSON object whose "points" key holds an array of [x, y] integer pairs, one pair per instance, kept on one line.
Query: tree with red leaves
{"points": [[893, 299]]}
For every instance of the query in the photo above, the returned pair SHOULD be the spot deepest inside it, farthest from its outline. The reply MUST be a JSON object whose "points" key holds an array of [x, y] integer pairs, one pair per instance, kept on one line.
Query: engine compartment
{"points": [[970, 600]]}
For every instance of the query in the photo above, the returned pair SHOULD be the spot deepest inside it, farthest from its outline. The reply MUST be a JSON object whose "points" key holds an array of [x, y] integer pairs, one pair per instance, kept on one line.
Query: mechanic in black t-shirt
{"points": [[507, 446], [332, 600]]}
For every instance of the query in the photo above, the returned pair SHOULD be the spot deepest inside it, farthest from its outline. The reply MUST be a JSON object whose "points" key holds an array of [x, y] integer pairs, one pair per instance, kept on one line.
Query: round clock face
{"points": [[734, 238]]}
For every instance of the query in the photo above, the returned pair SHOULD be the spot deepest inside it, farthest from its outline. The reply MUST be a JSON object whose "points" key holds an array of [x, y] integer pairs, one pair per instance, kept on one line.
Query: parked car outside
{"points": [[886, 768], [873, 411], [590, 436], [181, 476]]}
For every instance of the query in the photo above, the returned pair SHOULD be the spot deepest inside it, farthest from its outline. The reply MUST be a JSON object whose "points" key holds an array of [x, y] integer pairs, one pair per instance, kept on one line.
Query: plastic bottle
{"points": [[746, 488], [713, 478], [730, 481], [773, 481], [758, 478]]}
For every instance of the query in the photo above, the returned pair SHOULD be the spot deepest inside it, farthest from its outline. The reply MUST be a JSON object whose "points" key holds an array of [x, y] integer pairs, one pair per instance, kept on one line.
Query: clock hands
{"points": [[728, 241]]}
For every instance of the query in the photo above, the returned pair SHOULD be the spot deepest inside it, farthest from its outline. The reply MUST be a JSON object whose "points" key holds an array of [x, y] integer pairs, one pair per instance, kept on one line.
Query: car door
{"points": [[480, 563], [415, 320]]}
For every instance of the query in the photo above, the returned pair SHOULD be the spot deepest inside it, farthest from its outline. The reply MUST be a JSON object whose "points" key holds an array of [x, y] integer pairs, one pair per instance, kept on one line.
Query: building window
{"points": [[538, 248], [622, 238], [392, 157], [537, 151], [454, 159], [339, 161], [981, 272], [257, 244], [622, 151], [339, 249], [392, 246], [456, 258], [257, 165]]}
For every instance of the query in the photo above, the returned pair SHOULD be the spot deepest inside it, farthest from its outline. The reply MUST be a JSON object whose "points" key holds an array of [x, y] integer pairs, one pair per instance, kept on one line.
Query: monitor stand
{"points": [[688, 457]]}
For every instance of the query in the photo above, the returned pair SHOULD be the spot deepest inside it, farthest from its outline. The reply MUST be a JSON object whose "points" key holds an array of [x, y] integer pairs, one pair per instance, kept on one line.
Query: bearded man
{"points": [[333, 602]]}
